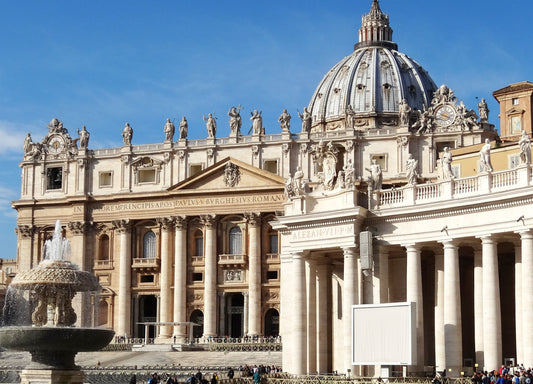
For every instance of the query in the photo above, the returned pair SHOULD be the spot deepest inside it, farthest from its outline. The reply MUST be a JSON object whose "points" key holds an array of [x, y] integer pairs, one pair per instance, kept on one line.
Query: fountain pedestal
{"points": [[49, 376]]}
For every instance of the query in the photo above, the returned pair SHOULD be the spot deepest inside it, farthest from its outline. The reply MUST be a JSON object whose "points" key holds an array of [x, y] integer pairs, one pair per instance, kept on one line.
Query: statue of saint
{"points": [[350, 117], [376, 175], [349, 179], [525, 148], [28, 144], [483, 111], [285, 121], [446, 163], [484, 157], [235, 121], [405, 112], [184, 128], [257, 122], [127, 134], [412, 173], [306, 120], [84, 137], [169, 130], [211, 125]]}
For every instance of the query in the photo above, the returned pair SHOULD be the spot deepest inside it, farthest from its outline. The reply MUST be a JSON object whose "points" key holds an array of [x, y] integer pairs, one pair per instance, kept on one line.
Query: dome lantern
{"points": [[375, 29]]}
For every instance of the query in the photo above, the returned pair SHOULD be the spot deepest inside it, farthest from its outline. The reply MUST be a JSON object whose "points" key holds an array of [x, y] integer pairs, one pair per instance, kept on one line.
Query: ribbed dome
{"points": [[374, 78]]}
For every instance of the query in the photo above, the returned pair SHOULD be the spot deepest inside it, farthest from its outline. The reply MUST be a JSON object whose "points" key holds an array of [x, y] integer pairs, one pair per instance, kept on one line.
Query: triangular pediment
{"points": [[515, 111], [227, 175]]}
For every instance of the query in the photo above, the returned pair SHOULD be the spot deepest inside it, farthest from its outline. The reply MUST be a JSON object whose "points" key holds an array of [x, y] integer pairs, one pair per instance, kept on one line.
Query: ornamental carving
{"points": [[233, 275], [165, 222], [402, 141], [286, 147], [254, 219], [125, 159], [180, 222], [78, 227], [146, 162], [193, 297], [208, 220], [122, 226], [210, 153], [271, 296], [232, 175], [304, 148], [349, 144], [25, 231], [255, 150], [181, 154]]}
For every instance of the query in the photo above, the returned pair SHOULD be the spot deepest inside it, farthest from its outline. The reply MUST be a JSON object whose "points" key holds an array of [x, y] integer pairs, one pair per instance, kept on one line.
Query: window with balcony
{"points": [[103, 251], [149, 245], [198, 240], [235, 241]]}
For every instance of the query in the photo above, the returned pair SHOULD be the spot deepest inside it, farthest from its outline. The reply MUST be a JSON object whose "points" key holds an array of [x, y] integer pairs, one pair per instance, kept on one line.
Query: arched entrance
{"points": [[197, 317], [272, 322]]}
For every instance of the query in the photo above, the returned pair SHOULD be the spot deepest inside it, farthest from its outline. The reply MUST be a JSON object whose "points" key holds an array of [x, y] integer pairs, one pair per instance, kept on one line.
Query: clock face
{"points": [[56, 144], [445, 116]]}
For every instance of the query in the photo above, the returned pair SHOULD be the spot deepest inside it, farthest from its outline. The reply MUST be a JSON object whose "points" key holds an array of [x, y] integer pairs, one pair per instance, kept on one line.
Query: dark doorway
{"points": [[235, 314], [272, 322], [147, 313], [197, 317]]}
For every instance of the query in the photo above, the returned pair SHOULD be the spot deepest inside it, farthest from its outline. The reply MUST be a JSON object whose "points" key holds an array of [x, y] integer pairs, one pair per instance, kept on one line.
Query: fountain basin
{"points": [[54, 347]]}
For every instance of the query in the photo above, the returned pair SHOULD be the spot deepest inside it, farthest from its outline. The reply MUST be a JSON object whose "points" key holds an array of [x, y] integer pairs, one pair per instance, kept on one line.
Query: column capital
{"points": [[78, 227], [526, 234], [208, 220], [297, 255], [25, 231], [180, 222], [253, 218], [449, 243], [165, 222], [349, 251], [245, 293], [486, 239], [412, 247], [123, 225]]}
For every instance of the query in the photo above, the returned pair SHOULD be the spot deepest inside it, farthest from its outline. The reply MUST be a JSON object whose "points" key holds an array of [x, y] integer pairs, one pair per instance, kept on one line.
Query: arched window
{"points": [[235, 241], [103, 252], [149, 245], [273, 242], [198, 243]]}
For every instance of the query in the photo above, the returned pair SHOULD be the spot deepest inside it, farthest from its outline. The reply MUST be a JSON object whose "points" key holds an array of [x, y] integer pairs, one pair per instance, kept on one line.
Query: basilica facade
{"points": [[259, 235]]}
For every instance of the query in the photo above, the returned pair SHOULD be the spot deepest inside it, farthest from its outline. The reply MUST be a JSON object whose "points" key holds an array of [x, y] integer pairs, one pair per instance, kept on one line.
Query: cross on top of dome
{"points": [[375, 29]]}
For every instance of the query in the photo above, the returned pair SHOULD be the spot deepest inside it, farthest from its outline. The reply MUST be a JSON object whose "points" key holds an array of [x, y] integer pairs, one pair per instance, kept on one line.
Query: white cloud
{"points": [[12, 137]]}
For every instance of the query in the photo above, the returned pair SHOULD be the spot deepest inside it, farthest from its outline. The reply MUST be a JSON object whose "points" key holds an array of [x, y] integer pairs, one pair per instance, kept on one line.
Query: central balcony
{"points": [[147, 264], [233, 260]]}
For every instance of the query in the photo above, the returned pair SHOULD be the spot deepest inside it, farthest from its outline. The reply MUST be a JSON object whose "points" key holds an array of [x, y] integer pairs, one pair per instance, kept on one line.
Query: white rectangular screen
{"points": [[384, 334]]}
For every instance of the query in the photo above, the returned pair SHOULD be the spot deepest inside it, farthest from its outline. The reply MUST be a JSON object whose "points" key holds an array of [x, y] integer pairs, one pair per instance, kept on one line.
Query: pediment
{"points": [[514, 111], [227, 175]]}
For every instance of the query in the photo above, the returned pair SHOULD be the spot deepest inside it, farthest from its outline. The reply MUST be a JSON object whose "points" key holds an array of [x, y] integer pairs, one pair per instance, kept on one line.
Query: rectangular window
{"points": [[106, 179], [271, 166], [273, 244], [516, 101], [381, 159], [195, 169], [198, 276], [146, 175], [514, 161], [147, 279], [199, 246], [54, 178], [272, 275]]}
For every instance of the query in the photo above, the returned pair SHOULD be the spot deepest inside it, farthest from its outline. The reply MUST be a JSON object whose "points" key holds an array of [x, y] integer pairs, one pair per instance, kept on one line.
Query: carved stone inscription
{"points": [[323, 233]]}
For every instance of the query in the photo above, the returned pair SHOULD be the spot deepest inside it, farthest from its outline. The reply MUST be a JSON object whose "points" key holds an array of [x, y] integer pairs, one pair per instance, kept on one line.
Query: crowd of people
{"points": [[505, 375]]}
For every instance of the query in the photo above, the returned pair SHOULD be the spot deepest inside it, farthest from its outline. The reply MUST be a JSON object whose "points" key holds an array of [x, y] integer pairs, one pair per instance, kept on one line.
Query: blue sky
{"points": [[103, 63]]}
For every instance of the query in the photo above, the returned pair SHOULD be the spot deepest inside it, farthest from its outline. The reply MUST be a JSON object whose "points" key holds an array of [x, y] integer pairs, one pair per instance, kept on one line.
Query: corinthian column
{"points": [[254, 277], [210, 278], [180, 276], [527, 297], [453, 342], [299, 318], [351, 282], [123, 227], [414, 295], [166, 281], [492, 327]]}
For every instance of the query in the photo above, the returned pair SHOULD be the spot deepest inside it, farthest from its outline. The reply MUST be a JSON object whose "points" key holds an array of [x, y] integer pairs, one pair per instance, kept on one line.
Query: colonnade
{"points": [[307, 331], [173, 305]]}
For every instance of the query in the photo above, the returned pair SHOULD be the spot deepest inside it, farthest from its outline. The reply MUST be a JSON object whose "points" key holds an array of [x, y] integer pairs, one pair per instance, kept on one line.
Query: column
{"points": [[381, 276], [286, 310], [124, 280], [166, 281], [440, 355], [80, 303], [492, 331], [527, 297], [414, 295], [25, 246], [210, 278], [478, 308], [298, 314], [254, 276], [245, 313], [323, 326], [180, 277], [222, 315], [453, 339], [310, 269], [351, 281], [518, 304]]}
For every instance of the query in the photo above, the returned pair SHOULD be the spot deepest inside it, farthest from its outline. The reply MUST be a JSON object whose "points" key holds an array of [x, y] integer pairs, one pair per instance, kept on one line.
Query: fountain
{"points": [[50, 335]]}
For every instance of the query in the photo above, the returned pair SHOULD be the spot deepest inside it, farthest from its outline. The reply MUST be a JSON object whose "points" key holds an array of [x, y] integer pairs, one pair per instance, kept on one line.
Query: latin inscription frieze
{"points": [[322, 233]]}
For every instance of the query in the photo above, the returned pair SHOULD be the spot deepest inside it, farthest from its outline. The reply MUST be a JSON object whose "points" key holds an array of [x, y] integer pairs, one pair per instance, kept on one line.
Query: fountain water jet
{"points": [[52, 339]]}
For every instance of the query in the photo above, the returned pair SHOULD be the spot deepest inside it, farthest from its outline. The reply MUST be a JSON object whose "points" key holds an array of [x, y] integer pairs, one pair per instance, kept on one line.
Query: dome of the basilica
{"points": [[374, 79]]}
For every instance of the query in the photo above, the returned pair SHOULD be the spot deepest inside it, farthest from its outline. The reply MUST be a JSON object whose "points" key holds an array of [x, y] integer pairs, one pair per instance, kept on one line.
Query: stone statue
{"points": [[28, 144], [443, 95], [424, 122], [184, 128], [257, 122], [405, 112], [285, 121], [169, 130], [525, 148], [327, 156], [127, 134], [412, 173], [306, 120], [483, 111], [235, 121], [84, 137], [295, 186], [484, 157], [56, 126], [350, 117], [232, 175], [211, 125], [349, 180], [376, 175], [446, 163]]}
